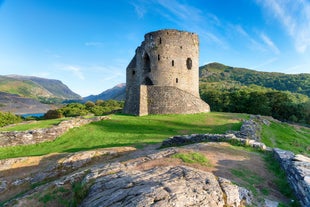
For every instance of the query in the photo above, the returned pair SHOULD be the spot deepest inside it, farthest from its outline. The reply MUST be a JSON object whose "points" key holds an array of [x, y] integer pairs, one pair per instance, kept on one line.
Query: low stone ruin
{"points": [[297, 169], [42, 135]]}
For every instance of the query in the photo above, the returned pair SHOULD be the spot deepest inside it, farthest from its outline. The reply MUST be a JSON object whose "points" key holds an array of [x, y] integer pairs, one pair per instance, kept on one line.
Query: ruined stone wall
{"points": [[16, 138], [297, 169], [165, 58]]}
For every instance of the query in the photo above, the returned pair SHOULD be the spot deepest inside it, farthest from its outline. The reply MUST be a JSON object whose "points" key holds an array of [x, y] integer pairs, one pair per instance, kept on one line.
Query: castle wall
{"points": [[171, 100], [165, 58]]}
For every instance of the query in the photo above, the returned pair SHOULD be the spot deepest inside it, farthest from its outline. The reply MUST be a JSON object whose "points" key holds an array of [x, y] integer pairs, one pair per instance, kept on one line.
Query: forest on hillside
{"points": [[282, 96]]}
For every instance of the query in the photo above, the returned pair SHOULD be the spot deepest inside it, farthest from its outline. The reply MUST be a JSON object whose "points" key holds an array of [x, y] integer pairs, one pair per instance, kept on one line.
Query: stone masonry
{"points": [[163, 76]]}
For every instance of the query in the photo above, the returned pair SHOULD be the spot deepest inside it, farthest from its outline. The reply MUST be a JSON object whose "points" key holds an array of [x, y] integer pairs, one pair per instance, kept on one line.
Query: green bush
{"points": [[7, 118], [98, 109], [53, 114]]}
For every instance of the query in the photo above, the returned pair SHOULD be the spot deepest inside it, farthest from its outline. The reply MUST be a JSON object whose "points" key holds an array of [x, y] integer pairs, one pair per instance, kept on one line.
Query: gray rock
{"points": [[3, 185], [163, 186], [234, 194]]}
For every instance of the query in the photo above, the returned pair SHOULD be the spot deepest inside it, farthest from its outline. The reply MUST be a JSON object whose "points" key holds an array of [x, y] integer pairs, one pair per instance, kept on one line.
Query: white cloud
{"points": [[76, 71], [139, 9], [294, 16], [253, 44], [270, 43], [181, 11]]}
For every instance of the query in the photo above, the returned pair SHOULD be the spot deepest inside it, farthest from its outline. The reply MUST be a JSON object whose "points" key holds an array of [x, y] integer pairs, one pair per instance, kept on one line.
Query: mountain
{"points": [[20, 105], [42, 89], [55, 87], [118, 92], [295, 83]]}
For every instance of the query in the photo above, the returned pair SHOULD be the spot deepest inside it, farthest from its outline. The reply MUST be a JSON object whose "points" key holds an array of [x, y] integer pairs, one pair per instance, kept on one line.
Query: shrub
{"points": [[7, 118], [52, 114]]}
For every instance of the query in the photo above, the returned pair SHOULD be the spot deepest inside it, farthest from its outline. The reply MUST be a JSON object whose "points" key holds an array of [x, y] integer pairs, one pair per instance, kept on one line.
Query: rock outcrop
{"points": [[165, 186], [125, 184]]}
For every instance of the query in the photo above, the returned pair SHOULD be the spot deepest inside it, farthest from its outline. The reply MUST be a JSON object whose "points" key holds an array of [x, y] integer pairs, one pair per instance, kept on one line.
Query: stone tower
{"points": [[163, 76]]}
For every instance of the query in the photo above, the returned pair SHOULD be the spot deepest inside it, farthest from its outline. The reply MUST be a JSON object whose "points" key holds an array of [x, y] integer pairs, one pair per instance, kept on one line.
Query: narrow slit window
{"points": [[160, 40], [158, 57], [189, 63], [176, 80], [172, 62]]}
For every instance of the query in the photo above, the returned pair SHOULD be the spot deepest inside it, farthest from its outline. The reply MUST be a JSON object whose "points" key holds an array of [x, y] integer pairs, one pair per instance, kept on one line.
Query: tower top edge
{"points": [[168, 31]]}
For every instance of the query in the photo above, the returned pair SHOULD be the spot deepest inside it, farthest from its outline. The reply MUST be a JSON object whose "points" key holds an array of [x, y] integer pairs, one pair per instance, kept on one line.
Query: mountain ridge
{"points": [[55, 87]]}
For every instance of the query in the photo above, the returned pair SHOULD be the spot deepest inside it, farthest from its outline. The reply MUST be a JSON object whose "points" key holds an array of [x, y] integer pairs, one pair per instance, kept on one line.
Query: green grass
{"points": [[250, 179], [287, 137], [123, 130], [192, 157], [281, 180], [33, 125]]}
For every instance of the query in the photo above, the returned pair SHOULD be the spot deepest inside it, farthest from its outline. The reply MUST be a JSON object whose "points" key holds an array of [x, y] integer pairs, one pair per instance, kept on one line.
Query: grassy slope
{"points": [[124, 130], [32, 125], [22, 88], [287, 137]]}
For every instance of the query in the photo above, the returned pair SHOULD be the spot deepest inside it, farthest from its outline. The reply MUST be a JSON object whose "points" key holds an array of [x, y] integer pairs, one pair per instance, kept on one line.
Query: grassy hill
{"points": [[216, 72], [24, 88], [282, 96], [45, 90]]}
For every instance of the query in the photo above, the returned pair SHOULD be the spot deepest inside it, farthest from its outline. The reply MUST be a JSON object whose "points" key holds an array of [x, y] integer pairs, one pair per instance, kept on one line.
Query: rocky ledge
{"points": [[124, 183]]}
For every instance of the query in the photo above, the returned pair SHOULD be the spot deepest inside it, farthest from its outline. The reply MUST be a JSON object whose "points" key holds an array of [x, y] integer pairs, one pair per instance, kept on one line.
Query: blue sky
{"points": [[87, 44]]}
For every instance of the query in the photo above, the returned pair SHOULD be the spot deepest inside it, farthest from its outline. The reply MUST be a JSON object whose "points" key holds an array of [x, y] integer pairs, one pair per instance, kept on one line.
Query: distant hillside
{"points": [[38, 88], [118, 92], [216, 72], [55, 87], [20, 105]]}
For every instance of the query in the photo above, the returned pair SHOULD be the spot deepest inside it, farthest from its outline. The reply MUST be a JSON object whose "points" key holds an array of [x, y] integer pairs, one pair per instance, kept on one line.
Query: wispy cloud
{"points": [[181, 11], [139, 9], [267, 62], [75, 70], [294, 16], [94, 44], [192, 18], [248, 39], [270, 43]]}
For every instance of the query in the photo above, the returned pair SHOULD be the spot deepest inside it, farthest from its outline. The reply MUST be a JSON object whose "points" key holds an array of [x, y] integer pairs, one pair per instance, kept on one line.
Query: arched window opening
{"points": [[176, 80], [151, 37], [172, 62], [133, 72], [146, 63], [158, 57], [189, 63], [147, 81]]}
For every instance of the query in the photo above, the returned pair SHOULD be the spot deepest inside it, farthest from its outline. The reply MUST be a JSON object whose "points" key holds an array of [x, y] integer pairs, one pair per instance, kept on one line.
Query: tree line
{"points": [[98, 108], [284, 106]]}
